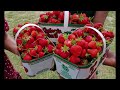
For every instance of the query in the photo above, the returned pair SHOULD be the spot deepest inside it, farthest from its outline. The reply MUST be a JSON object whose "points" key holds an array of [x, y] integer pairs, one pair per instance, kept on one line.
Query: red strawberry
{"points": [[92, 44], [83, 53], [61, 16], [99, 49], [20, 25], [41, 54], [39, 48], [43, 42], [93, 52], [79, 32], [19, 41], [32, 28], [43, 18], [57, 13], [61, 38], [53, 20], [76, 50], [59, 45], [64, 54], [31, 39], [40, 35], [71, 36], [50, 14], [50, 48], [98, 25], [33, 33], [74, 59], [57, 51], [75, 17], [81, 43], [33, 52], [15, 30], [27, 57], [86, 45], [88, 38], [84, 20], [68, 43]]}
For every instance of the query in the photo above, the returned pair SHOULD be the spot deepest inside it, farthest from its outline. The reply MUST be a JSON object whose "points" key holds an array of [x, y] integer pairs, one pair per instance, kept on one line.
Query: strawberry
{"points": [[99, 49], [50, 48], [40, 35], [31, 45], [76, 50], [83, 19], [81, 43], [32, 28], [57, 13], [75, 17], [19, 41], [93, 52], [62, 38], [31, 39], [86, 45], [92, 44], [27, 57], [59, 45], [68, 43], [57, 51], [71, 36], [79, 32], [15, 30], [39, 48], [74, 59], [43, 42], [50, 14], [64, 52], [33, 33], [83, 53], [41, 54], [33, 52], [98, 25], [61, 16], [53, 20], [20, 25], [43, 18], [88, 38]]}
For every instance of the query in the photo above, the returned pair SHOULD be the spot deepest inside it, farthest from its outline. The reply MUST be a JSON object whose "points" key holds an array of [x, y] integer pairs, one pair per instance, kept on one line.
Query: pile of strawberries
{"points": [[57, 17], [32, 43], [82, 45]]}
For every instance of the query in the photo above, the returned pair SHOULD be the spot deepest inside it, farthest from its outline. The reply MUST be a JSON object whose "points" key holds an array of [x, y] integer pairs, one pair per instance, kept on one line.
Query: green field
{"points": [[17, 17]]}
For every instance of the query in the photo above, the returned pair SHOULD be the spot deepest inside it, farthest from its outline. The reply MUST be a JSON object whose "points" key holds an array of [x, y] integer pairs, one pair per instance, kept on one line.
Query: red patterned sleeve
{"points": [[6, 26]]}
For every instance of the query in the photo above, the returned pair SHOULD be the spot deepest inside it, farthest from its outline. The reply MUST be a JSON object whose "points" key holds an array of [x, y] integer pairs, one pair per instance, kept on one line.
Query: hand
{"points": [[10, 44]]}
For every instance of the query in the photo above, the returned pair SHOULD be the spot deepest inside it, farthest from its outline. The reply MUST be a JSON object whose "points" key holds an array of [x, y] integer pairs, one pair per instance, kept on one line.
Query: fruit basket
{"points": [[56, 22], [70, 63], [35, 49]]}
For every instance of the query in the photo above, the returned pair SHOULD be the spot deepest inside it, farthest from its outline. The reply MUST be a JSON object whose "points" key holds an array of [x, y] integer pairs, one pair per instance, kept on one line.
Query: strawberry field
{"points": [[20, 17]]}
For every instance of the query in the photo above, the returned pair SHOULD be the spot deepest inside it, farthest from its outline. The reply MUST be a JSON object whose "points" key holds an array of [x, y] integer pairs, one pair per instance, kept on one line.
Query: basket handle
{"points": [[26, 25], [104, 45], [66, 19]]}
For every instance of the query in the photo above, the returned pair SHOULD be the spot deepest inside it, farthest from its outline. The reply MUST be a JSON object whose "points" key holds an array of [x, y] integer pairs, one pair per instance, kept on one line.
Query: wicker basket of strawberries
{"points": [[78, 54], [35, 48]]}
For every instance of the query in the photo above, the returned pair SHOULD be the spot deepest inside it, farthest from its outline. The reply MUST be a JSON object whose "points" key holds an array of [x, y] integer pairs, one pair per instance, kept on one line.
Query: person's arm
{"points": [[110, 60], [100, 17], [9, 44]]}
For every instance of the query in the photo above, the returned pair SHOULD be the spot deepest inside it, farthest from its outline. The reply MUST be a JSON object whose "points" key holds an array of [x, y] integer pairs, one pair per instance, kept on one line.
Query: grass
{"points": [[16, 17]]}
